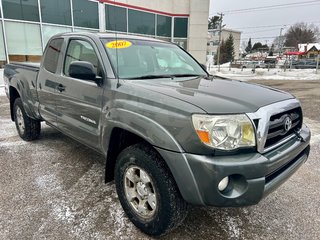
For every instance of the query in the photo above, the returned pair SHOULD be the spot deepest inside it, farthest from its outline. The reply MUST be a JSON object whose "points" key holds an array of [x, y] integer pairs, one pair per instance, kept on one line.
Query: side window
{"points": [[79, 50], [52, 54]]}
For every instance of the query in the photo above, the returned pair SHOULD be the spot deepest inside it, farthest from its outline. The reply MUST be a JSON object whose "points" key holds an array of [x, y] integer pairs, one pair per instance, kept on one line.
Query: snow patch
{"points": [[48, 183], [2, 92], [264, 74], [234, 228], [315, 139]]}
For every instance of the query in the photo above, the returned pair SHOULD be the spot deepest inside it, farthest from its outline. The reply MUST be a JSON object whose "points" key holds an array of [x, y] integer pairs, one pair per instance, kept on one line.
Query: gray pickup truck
{"points": [[172, 135]]}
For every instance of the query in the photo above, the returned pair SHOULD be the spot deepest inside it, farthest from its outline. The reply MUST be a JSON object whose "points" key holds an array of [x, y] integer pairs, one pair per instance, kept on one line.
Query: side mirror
{"points": [[82, 70]]}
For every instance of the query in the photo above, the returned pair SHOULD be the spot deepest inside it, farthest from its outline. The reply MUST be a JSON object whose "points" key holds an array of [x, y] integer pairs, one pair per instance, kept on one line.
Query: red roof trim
{"points": [[143, 9], [294, 53]]}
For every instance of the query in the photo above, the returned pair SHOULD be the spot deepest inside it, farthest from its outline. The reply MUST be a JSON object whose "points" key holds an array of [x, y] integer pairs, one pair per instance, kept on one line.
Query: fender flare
{"points": [[140, 125]]}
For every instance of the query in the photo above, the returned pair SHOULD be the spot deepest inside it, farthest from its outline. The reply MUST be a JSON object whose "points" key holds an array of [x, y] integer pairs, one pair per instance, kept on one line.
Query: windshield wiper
{"points": [[186, 75], [172, 76], [150, 77]]}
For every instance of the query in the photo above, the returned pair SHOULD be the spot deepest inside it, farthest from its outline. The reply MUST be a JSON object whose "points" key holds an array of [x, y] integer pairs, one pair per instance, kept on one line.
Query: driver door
{"points": [[80, 101]]}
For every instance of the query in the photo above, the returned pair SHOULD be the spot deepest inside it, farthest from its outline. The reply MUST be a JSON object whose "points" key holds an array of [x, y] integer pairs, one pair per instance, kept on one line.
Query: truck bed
{"points": [[23, 77], [29, 65]]}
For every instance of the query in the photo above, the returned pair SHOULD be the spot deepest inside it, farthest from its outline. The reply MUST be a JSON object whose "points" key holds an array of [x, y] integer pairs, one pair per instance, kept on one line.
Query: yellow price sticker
{"points": [[118, 44]]}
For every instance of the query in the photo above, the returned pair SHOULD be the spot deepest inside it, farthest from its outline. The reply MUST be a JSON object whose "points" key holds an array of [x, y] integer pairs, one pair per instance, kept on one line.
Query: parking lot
{"points": [[53, 188]]}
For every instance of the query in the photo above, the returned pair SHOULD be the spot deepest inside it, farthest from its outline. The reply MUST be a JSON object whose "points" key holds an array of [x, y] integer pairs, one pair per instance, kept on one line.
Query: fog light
{"points": [[223, 184]]}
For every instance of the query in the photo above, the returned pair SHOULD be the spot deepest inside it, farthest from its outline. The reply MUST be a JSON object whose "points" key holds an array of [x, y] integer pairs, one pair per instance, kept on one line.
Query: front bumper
{"points": [[252, 176]]}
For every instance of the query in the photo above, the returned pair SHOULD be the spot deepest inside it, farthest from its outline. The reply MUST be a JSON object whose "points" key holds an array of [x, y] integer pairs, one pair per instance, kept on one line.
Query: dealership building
{"points": [[27, 25]]}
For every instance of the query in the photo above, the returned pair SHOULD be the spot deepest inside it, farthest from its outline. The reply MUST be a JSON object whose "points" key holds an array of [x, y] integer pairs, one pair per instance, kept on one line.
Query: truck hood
{"points": [[217, 96]]}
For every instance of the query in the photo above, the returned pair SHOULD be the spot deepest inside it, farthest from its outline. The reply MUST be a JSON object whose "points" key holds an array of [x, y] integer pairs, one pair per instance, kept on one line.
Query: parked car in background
{"points": [[253, 64], [270, 62], [304, 64]]}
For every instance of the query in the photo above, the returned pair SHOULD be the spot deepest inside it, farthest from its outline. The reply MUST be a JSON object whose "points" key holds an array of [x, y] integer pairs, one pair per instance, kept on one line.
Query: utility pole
{"points": [[280, 44], [318, 59], [220, 33]]}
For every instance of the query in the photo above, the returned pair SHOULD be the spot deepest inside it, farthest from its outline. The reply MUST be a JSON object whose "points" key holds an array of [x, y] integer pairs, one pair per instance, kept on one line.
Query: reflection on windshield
{"points": [[136, 59]]}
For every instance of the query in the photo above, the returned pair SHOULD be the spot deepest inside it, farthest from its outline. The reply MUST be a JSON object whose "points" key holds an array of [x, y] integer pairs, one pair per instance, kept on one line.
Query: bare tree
{"points": [[278, 42], [301, 33]]}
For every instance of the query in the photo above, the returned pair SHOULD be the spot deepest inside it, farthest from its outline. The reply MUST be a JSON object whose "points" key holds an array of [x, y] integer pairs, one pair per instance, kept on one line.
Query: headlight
{"points": [[225, 132]]}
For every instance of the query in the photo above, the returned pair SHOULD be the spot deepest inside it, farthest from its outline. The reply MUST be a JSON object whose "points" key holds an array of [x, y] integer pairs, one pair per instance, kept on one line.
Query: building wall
{"points": [[198, 29], [169, 6], [213, 41], [26, 26]]}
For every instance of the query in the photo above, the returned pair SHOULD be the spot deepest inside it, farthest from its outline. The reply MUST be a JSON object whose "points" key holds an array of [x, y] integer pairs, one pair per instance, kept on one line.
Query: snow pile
{"points": [[2, 93], [1, 77], [264, 74]]}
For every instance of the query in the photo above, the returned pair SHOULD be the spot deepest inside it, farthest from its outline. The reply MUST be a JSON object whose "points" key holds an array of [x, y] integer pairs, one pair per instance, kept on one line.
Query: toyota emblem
{"points": [[287, 124]]}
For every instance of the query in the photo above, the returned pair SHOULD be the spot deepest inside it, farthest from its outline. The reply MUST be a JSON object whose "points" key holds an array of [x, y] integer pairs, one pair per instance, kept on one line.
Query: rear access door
{"points": [[48, 81]]}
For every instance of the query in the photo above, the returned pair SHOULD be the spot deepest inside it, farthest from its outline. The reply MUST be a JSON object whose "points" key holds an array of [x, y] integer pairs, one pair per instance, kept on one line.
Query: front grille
{"points": [[277, 130]]}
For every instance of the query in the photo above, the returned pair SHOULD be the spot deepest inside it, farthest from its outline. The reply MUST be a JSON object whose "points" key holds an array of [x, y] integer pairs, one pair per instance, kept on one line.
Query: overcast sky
{"points": [[279, 16]]}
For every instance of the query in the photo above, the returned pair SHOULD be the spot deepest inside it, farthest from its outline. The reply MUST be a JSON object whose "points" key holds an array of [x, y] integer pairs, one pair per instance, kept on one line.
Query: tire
{"points": [[28, 128], [169, 208]]}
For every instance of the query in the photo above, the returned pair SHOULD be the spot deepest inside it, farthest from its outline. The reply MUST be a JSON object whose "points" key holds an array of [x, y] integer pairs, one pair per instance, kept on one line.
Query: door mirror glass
{"points": [[82, 70]]}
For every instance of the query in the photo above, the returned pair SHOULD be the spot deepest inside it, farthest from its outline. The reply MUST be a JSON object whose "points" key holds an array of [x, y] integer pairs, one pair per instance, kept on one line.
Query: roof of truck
{"points": [[108, 35]]}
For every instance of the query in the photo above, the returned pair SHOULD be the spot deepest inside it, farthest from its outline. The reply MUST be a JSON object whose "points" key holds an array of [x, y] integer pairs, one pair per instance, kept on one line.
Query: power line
{"points": [[271, 7], [271, 26], [268, 26], [272, 29]]}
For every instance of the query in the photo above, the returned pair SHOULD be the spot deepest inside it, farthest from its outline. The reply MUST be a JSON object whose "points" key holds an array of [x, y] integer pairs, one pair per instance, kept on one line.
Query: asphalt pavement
{"points": [[53, 188]]}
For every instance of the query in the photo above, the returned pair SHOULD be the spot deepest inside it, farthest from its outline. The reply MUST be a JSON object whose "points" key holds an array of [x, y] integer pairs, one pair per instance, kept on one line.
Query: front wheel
{"points": [[147, 191], [28, 128]]}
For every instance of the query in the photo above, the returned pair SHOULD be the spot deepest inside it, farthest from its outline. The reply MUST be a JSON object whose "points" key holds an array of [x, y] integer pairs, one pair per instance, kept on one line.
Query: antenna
{"points": [[117, 56]]}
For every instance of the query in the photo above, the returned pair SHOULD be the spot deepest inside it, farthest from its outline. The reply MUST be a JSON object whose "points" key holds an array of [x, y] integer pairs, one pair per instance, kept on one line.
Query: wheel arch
{"points": [[13, 94], [119, 140]]}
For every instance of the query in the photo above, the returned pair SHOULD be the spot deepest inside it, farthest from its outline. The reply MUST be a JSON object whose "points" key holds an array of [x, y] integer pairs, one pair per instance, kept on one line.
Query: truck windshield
{"points": [[139, 59]]}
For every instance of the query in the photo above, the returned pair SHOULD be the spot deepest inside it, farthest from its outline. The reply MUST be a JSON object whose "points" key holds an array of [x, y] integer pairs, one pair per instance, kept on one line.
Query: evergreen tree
{"points": [[256, 46], [213, 22], [271, 50], [249, 46], [230, 49], [222, 53]]}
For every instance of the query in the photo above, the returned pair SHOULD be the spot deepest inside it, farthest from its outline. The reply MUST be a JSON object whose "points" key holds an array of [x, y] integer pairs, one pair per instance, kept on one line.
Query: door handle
{"points": [[61, 88]]}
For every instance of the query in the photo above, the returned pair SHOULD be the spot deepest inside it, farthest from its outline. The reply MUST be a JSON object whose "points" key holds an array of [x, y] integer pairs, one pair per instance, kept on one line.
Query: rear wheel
{"points": [[147, 190], [28, 128]]}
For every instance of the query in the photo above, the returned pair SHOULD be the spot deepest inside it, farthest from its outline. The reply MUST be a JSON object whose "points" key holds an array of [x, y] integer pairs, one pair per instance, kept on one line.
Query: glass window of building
{"points": [[21, 10], [26, 47], [116, 18], [52, 54], [163, 26], [58, 11], [85, 30], [181, 27], [2, 50], [141, 22], [85, 14], [49, 31], [181, 42]]}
